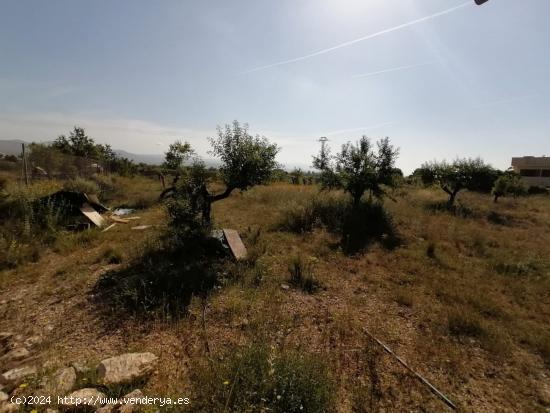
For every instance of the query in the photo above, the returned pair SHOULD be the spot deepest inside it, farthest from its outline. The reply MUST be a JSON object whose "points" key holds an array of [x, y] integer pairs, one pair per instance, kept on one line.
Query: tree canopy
{"points": [[358, 167], [246, 161], [178, 152], [453, 177]]}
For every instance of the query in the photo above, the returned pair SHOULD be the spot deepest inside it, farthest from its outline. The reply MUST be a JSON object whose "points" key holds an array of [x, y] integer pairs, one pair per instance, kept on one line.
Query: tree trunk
{"points": [[452, 197], [495, 199], [209, 199]]}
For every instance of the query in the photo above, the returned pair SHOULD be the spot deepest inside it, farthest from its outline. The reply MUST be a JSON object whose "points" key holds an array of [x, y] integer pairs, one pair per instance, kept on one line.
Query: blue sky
{"points": [[441, 78]]}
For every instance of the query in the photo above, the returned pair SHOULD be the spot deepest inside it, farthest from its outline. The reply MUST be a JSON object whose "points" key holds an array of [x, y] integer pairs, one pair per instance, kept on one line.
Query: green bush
{"points": [[358, 225], [465, 323], [322, 210], [82, 185], [255, 379], [301, 275], [112, 255]]}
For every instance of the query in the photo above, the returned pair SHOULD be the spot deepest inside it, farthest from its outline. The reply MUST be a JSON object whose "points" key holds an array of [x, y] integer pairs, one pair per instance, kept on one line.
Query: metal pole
{"points": [[432, 388], [25, 171]]}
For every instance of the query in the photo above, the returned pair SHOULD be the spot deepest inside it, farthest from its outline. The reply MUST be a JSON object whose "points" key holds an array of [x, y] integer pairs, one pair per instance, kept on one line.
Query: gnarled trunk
{"points": [[209, 199]]}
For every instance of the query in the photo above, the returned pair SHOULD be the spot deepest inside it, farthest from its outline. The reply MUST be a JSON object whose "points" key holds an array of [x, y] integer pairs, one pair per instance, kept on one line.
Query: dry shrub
{"points": [[256, 379]]}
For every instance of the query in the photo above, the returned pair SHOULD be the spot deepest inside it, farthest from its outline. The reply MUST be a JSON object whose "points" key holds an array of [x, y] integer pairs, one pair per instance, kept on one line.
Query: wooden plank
{"points": [[140, 227], [235, 243], [92, 215], [114, 218], [109, 227]]}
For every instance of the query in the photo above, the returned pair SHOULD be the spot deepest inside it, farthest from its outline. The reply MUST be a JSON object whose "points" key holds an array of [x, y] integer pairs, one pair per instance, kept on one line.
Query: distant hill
{"points": [[148, 159], [11, 147]]}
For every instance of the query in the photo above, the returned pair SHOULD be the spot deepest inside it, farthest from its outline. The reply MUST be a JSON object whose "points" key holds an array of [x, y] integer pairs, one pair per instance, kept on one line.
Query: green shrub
{"points": [[465, 323], [255, 379], [112, 255], [517, 268], [82, 185], [3, 183], [537, 190], [301, 275], [358, 225], [365, 223]]}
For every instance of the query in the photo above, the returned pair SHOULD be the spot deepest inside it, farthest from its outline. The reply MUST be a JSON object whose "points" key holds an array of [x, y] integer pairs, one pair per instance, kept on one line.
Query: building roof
{"points": [[532, 161]]}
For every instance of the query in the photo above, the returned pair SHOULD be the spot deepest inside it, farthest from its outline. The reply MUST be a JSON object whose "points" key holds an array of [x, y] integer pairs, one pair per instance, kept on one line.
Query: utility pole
{"points": [[323, 140], [25, 171]]}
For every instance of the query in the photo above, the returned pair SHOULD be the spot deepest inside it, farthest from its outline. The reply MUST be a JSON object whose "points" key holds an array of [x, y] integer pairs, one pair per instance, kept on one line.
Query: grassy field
{"points": [[463, 298]]}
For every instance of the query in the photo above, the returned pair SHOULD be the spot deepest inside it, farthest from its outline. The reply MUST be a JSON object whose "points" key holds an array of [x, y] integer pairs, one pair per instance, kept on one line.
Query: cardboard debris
{"points": [[235, 243], [92, 214]]}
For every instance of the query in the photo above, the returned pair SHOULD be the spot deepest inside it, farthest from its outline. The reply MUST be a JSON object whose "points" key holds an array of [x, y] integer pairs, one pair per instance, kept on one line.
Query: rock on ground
{"points": [[132, 407], [9, 408], [16, 376], [87, 397], [33, 341], [18, 353], [3, 397], [62, 382], [126, 368]]}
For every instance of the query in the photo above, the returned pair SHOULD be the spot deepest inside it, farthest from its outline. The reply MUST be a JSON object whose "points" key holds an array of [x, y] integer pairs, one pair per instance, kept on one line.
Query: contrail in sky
{"points": [[393, 69], [360, 39]]}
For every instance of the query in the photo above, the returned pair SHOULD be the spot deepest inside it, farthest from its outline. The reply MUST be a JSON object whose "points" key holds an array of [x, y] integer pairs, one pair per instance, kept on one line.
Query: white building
{"points": [[534, 171]]}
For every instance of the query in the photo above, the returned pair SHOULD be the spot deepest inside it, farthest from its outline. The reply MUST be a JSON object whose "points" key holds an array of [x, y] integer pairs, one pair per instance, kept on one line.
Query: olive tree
{"points": [[359, 168], [508, 183], [246, 161], [455, 176], [177, 153]]}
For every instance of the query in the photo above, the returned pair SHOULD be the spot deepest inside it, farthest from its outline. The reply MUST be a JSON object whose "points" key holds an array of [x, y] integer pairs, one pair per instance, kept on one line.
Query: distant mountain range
{"points": [[13, 147]]}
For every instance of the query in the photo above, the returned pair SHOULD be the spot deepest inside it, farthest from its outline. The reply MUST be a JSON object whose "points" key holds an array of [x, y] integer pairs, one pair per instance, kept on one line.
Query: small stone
{"points": [[544, 394], [18, 353], [5, 336], [86, 397], [131, 407], [126, 368], [33, 341], [9, 408], [62, 382], [285, 286], [3, 397], [16, 376]]}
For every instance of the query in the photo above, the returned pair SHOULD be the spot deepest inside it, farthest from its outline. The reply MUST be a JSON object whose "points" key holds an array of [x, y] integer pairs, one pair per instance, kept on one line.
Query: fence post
{"points": [[25, 171]]}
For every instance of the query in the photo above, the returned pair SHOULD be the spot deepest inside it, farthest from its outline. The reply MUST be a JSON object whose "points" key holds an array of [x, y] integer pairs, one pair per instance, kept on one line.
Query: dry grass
{"points": [[465, 300]]}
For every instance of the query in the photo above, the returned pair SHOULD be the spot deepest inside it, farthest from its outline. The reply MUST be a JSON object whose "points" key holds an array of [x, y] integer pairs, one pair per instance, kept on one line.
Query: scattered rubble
{"points": [[124, 369]]}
